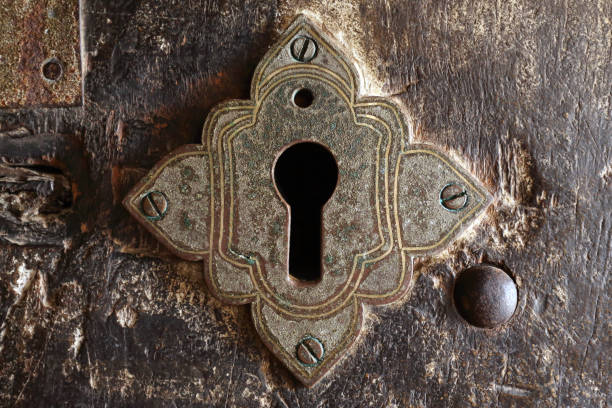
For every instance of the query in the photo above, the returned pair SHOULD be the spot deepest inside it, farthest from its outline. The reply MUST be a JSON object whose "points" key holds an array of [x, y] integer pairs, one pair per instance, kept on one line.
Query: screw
{"points": [[310, 351], [51, 70], [454, 197], [304, 49], [154, 205], [485, 296]]}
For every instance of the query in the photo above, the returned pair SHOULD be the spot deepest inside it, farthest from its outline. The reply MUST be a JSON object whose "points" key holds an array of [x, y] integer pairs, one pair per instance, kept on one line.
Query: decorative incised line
{"points": [[347, 337], [456, 225], [356, 261], [258, 81], [139, 192], [303, 68], [222, 206], [207, 136], [309, 337], [363, 255]]}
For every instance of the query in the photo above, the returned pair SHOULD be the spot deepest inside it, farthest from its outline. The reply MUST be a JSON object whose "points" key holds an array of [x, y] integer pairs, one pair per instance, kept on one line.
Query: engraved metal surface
{"points": [[391, 202]]}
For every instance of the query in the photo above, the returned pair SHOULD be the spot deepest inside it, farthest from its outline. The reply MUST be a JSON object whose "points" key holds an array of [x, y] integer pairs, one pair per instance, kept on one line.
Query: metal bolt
{"points": [[154, 205], [310, 351], [454, 197], [485, 296], [303, 48], [51, 70]]}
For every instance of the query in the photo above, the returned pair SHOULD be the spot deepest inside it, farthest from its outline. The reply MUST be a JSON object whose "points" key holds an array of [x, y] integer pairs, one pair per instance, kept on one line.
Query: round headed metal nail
{"points": [[485, 296]]}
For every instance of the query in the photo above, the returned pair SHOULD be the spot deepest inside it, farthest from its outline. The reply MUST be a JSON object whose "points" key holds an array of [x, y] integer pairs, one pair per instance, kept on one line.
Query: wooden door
{"points": [[95, 312]]}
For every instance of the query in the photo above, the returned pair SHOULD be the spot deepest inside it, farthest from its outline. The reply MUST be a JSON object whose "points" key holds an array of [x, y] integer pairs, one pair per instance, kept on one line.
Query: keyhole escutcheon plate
{"points": [[392, 200]]}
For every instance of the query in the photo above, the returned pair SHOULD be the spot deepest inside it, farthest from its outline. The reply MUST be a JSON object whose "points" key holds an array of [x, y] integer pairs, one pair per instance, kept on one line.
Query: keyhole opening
{"points": [[305, 175]]}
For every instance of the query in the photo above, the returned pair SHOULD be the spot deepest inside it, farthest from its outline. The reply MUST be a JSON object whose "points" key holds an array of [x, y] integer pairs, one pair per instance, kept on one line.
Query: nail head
{"points": [[485, 296]]}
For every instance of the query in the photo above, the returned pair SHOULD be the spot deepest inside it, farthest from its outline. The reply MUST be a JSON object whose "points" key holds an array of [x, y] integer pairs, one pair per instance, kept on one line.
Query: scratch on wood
{"points": [[512, 390], [229, 386]]}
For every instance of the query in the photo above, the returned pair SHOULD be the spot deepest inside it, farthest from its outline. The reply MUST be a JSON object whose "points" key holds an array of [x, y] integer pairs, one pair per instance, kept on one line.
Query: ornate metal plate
{"points": [[220, 202]]}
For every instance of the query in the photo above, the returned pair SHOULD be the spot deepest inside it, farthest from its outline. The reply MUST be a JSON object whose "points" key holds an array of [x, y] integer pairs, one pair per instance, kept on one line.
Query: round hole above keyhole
{"points": [[305, 175], [303, 98]]}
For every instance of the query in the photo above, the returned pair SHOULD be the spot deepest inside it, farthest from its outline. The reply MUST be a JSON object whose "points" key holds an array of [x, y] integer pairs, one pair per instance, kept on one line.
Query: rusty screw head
{"points": [[154, 205], [51, 70], [485, 296], [310, 351], [453, 197]]}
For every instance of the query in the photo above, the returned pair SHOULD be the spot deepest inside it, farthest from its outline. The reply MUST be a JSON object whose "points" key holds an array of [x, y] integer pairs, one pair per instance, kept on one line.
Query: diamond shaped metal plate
{"points": [[218, 202]]}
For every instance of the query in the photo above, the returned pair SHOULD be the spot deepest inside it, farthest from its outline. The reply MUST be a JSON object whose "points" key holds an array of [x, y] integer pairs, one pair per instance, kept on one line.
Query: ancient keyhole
{"points": [[305, 175]]}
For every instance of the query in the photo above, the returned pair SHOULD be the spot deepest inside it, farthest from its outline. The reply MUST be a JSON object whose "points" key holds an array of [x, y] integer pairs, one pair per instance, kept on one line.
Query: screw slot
{"points": [[303, 98], [454, 197], [310, 351], [303, 48], [154, 205], [51, 70]]}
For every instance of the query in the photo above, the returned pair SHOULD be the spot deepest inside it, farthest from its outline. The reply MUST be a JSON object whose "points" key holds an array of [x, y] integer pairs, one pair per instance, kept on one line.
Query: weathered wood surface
{"points": [[95, 313]]}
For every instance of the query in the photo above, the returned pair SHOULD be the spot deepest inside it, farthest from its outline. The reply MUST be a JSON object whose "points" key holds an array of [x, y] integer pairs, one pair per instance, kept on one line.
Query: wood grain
{"points": [[105, 317]]}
